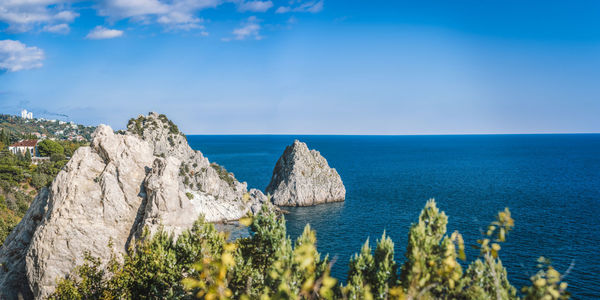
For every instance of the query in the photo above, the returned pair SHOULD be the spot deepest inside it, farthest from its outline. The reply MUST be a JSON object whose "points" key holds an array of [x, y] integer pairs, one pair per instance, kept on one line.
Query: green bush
{"points": [[39, 180], [56, 157], [224, 174], [17, 175], [8, 219], [202, 263], [49, 147]]}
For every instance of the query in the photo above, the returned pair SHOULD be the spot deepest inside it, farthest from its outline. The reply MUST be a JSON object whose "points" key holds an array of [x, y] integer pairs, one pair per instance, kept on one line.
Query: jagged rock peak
{"points": [[107, 193], [302, 177], [162, 133]]}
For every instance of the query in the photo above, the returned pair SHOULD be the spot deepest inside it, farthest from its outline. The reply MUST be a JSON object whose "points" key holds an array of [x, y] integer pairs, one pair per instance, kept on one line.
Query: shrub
{"points": [[49, 147], [224, 174], [267, 265]]}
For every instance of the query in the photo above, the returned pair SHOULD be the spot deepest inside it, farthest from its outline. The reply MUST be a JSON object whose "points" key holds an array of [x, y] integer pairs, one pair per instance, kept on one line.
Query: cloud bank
{"points": [[25, 15], [16, 56]]}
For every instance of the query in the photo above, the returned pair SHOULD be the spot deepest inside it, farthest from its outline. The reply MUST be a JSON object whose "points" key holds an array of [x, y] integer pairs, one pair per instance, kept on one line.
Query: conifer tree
{"points": [[430, 269]]}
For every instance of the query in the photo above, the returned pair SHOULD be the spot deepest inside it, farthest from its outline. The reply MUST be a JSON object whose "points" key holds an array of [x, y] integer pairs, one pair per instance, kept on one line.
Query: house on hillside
{"points": [[23, 146]]}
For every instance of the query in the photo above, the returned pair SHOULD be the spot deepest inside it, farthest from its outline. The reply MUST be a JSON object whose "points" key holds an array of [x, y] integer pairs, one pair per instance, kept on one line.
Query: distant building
{"points": [[24, 146], [26, 115]]}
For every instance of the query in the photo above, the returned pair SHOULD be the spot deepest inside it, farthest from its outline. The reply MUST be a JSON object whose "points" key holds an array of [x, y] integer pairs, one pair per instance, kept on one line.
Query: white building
{"points": [[24, 146], [26, 115]]}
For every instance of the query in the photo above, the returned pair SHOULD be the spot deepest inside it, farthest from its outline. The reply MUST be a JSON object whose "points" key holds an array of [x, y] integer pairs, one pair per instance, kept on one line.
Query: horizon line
{"points": [[404, 134]]}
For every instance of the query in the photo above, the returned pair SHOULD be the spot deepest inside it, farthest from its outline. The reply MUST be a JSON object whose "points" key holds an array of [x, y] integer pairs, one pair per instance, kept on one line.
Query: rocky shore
{"points": [[145, 177]]}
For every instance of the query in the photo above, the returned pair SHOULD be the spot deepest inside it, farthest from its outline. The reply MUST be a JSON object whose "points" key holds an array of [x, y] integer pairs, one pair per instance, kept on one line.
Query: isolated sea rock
{"points": [[302, 177], [107, 193]]}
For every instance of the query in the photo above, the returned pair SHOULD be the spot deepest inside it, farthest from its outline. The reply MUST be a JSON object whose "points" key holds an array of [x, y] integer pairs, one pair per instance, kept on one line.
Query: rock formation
{"points": [[302, 177], [107, 193]]}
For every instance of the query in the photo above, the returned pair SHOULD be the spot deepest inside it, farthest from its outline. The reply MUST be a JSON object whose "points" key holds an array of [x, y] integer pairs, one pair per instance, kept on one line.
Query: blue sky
{"points": [[307, 66]]}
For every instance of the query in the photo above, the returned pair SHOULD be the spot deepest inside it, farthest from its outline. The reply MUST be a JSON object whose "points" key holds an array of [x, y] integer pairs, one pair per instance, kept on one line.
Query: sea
{"points": [[550, 183]]}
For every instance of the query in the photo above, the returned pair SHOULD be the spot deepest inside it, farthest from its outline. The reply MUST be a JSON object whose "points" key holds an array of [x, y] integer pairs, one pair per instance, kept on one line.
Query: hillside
{"points": [[60, 130], [20, 179]]}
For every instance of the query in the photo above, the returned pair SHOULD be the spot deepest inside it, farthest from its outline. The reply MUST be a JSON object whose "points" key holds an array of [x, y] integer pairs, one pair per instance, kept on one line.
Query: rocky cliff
{"points": [[107, 193], [302, 177]]}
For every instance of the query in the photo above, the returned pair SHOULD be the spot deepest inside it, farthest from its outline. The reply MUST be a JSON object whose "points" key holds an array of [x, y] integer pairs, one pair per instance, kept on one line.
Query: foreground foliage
{"points": [[202, 263]]}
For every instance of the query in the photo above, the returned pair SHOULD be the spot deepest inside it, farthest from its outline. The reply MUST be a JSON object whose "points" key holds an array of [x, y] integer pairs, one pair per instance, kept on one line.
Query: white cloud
{"points": [[250, 30], [312, 7], [173, 14], [16, 56], [25, 15], [255, 6], [121, 9], [308, 6], [100, 32], [58, 28], [283, 9]]}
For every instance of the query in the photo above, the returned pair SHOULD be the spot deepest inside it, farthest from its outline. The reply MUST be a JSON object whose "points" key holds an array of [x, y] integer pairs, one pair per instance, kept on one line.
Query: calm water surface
{"points": [[551, 183]]}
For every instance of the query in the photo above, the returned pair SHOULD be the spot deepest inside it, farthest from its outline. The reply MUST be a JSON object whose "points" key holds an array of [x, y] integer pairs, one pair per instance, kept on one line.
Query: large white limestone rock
{"points": [[107, 193]]}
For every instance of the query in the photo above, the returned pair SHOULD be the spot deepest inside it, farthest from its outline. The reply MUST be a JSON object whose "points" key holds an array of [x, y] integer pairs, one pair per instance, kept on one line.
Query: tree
{"points": [[27, 157], [203, 264], [70, 147], [430, 268], [49, 147], [39, 180], [57, 157], [4, 139]]}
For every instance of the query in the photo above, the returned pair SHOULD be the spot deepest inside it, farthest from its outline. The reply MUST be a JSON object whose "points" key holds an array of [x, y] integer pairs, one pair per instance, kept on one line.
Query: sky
{"points": [[307, 66]]}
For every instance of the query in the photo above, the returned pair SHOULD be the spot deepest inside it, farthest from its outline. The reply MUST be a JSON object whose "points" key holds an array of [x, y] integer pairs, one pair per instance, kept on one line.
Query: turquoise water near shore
{"points": [[551, 183]]}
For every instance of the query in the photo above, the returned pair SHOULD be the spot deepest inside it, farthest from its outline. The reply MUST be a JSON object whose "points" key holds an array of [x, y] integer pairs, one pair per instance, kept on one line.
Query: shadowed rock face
{"points": [[107, 192], [302, 177]]}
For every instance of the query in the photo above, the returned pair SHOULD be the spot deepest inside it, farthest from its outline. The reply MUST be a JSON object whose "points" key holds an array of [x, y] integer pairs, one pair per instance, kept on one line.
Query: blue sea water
{"points": [[551, 183]]}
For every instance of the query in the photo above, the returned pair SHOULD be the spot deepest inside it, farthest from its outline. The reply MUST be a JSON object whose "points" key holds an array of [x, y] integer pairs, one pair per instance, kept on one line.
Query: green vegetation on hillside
{"points": [[224, 174], [25, 129], [139, 124], [202, 263], [50, 147], [20, 180]]}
